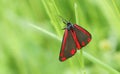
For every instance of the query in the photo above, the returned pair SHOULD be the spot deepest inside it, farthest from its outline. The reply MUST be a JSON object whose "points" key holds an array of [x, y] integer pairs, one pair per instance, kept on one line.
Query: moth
{"points": [[75, 37]]}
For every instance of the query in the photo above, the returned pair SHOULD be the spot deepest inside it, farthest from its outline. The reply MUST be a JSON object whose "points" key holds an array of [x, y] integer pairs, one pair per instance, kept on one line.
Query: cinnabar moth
{"points": [[75, 37]]}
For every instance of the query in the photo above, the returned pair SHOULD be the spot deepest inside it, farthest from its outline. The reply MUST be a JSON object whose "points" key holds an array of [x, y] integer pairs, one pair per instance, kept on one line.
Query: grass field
{"points": [[31, 34]]}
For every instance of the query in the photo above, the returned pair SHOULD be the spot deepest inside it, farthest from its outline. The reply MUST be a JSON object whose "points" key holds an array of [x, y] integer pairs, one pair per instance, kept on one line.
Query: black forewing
{"points": [[68, 47], [83, 36]]}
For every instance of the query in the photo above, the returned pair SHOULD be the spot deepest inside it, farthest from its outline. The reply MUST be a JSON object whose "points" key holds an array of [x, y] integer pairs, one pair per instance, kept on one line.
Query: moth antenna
{"points": [[64, 28], [64, 20]]}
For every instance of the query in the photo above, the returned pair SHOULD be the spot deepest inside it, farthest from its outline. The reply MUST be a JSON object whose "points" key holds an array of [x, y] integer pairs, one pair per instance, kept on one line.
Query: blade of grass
{"points": [[116, 8], [44, 31], [81, 52], [53, 14], [112, 19], [100, 63]]}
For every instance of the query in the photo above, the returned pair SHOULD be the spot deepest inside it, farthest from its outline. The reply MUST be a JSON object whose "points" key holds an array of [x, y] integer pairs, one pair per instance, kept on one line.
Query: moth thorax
{"points": [[69, 26]]}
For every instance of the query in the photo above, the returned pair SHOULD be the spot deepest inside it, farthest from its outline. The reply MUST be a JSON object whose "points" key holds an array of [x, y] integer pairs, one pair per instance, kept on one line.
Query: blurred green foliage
{"points": [[30, 31]]}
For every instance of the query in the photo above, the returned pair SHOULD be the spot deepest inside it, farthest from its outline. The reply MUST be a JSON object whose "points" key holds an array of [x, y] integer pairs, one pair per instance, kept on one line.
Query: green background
{"points": [[31, 34]]}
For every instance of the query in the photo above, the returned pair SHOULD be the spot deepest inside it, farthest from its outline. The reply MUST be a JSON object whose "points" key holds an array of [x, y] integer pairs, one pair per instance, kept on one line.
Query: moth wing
{"points": [[83, 36], [68, 47]]}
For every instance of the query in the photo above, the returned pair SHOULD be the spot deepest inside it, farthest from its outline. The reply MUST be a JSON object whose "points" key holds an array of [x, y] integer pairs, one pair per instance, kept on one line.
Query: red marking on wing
{"points": [[75, 39], [83, 43], [64, 40], [63, 58], [73, 51], [83, 30], [61, 54], [88, 39]]}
